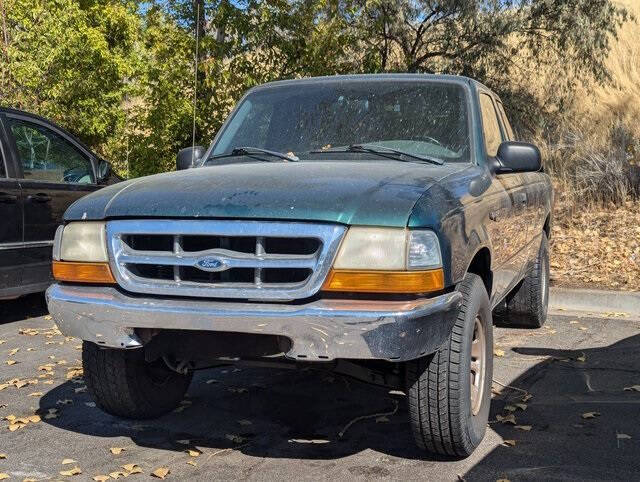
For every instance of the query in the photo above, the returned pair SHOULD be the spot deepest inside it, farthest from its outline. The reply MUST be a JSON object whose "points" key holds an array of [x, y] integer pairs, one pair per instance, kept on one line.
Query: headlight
{"points": [[80, 253], [387, 260], [83, 242]]}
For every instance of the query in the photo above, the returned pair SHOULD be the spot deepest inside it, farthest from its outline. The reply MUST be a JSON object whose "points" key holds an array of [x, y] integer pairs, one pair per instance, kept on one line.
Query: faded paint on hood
{"points": [[380, 193]]}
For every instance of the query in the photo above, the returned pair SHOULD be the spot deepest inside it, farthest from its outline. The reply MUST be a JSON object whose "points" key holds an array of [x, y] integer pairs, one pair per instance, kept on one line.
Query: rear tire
{"points": [[527, 305], [449, 392], [122, 383]]}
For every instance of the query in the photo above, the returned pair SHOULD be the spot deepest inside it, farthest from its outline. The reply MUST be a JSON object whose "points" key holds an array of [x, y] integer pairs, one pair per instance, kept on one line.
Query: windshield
{"points": [[417, 117]]}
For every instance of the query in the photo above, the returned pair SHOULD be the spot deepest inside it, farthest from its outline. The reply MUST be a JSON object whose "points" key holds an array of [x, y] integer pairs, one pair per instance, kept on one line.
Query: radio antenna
{"points": [[195, 86]]}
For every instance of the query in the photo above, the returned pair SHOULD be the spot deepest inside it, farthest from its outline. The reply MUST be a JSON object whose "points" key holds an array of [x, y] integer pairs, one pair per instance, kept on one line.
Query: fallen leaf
{"points": [[509, 443], [308, 441], [498, 352], [622, 436], [11, 362], [209, 382], [193, 452], [100, 478], [132, 468], [508, 419], [632, 388], [160, 472], [582, 328], [574, 322], [524, 428], [192, 462], [245, 422], [582, 358], [184, 441], [14, 351], [3, 456], [34, 418], [116, 450], [117, 474], [80, 390], [527, 397], [510, 408], [590, 415], [382, 419], [66, 401], [69, 473], [35, 394], [503, 480], [521, 406], [3, 476], [68, 461]]}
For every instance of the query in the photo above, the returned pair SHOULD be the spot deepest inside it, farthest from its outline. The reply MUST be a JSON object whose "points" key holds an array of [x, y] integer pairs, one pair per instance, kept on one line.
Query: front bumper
{"points": [[320, 330]]}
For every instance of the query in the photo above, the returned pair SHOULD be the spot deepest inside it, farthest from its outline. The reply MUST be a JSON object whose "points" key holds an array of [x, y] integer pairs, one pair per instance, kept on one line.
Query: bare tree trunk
{"points": [[5, 31]]}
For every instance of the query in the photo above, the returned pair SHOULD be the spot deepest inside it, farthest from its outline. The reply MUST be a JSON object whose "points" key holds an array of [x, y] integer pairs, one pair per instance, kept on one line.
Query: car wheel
{"points": [[449, 392], [527, 305], [122, 383]]}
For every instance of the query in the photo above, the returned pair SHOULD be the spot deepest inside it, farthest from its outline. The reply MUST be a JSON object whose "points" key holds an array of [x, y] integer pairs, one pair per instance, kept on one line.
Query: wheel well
{"points": [[547, 226], [481, 265]]}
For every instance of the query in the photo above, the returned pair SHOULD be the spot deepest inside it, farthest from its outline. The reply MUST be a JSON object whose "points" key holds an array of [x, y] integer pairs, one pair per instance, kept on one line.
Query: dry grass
{"points": [[596, 247]]}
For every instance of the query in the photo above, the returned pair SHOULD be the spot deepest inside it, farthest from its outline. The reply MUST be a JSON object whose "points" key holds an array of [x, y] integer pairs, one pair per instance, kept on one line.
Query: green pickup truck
{"points": [[372, 225]]}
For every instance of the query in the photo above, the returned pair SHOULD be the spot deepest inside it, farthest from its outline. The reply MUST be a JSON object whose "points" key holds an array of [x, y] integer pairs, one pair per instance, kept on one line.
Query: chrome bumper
{"points": [[320, 330]]}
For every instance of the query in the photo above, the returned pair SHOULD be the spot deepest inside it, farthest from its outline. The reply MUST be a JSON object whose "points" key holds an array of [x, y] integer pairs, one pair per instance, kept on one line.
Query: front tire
{"points": [[122, 383], [449, 391]]}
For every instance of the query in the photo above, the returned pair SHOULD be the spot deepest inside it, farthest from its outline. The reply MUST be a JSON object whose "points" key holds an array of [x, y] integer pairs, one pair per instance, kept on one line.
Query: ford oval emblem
{"points": [[211, 264]]}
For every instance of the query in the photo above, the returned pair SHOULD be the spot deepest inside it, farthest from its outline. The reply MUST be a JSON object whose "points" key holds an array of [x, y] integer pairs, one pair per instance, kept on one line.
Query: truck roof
{"points": [[391, 77]]}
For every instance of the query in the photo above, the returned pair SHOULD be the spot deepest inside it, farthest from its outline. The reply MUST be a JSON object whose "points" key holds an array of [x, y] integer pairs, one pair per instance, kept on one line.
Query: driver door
{"points": [[54, 171]]}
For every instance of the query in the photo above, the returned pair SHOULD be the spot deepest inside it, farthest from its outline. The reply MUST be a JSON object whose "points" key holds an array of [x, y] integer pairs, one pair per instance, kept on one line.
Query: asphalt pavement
{"points": [[564, 386]]}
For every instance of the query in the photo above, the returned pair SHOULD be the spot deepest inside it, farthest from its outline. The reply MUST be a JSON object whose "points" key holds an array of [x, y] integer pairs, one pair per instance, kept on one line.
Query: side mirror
{"points": [[517, 157], [103, 171], [188, 157]]}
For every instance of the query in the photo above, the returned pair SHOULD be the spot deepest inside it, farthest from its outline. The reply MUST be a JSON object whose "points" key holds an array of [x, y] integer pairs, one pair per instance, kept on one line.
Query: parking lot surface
{"points": [[572, 389]]}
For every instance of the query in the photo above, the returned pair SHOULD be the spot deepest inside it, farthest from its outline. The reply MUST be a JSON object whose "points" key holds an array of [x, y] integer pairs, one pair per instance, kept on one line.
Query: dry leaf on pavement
{"points": [[632, 388], [235, 438], [68, 461], [100, 478], [507, 419], [524, 428], [160, 472], [622, 436], [498, 352], [193, 452], [509, 443], [132, 469], [117, 474], [3, 476], [590, 415], [69, 473], [116, 450], [192, 462]]}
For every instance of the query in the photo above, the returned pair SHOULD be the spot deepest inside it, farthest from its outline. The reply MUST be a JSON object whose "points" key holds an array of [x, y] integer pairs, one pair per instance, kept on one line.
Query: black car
{"points": [[43, 169]]}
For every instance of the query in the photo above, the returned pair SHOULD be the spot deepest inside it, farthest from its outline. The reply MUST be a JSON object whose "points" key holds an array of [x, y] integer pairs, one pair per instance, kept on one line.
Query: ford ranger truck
{"points": [[371, 225]]}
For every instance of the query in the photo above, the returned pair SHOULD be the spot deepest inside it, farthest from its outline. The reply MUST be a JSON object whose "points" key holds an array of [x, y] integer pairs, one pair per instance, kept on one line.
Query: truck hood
{"points": [[380, 193]]}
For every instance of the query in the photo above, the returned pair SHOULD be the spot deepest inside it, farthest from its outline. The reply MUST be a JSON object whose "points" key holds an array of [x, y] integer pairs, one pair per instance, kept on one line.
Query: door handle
{"points": [[7, 198], [39, 198]]}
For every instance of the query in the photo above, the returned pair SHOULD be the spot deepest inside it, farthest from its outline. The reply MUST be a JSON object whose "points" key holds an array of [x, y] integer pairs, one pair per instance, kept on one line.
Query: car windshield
{"points": [[320, 120]]}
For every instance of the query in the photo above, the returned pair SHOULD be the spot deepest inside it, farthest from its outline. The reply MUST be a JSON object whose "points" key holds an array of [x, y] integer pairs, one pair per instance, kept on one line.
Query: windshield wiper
{"points": [[247, 150], [382, 150]]}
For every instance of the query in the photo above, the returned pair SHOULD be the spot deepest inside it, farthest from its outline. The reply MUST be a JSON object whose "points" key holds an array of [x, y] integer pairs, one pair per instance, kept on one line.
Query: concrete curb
{"points": [[595, 301]]}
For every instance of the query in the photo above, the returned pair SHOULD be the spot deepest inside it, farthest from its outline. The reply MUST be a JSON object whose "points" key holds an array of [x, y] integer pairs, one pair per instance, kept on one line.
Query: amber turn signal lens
{"points": [[385, 281], [82, 272]]}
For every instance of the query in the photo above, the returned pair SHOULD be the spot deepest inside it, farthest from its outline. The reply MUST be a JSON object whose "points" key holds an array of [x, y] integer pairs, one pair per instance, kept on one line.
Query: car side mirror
{"points": [[517, 157], [188, 157], [103, 171]]}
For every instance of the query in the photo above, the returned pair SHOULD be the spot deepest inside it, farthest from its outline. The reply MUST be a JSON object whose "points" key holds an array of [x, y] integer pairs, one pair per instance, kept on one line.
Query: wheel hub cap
{"points": [[477, 374]]}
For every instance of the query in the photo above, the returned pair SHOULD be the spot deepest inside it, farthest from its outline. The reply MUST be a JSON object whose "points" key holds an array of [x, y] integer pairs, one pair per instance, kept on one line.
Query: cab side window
{"points": [[490, 125], [505, 122], [48, 156], [3, 171]]}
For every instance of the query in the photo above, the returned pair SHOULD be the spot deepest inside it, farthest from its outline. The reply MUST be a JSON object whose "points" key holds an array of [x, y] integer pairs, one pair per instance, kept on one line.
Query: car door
{"points": [[54, 172], [535, 189], [506, 226], [11, 224]]}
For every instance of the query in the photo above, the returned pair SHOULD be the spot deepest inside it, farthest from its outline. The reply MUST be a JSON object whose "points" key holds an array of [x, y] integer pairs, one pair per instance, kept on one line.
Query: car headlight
{"points": [[80, 253], [387, 260]]}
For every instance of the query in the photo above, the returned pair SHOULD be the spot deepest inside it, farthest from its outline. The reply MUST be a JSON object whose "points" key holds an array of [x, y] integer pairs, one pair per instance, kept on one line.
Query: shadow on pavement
{"points": [[30, 306], [293, 414], [298, 414], [561, 443]]}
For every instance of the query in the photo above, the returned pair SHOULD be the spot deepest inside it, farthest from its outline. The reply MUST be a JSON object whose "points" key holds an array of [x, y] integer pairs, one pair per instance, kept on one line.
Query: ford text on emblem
{"points": [[211, 264]]}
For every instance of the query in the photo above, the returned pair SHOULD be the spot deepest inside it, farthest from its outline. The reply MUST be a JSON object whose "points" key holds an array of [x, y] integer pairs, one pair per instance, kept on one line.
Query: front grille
{"points": [[222, 259]]}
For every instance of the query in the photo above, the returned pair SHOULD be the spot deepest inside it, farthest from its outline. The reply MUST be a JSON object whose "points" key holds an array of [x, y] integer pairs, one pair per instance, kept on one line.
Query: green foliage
{"points": [[120, 73]]}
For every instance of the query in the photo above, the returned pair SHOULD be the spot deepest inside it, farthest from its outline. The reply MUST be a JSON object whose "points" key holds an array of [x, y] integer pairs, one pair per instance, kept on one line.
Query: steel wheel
{"points": [[478, 366]]}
